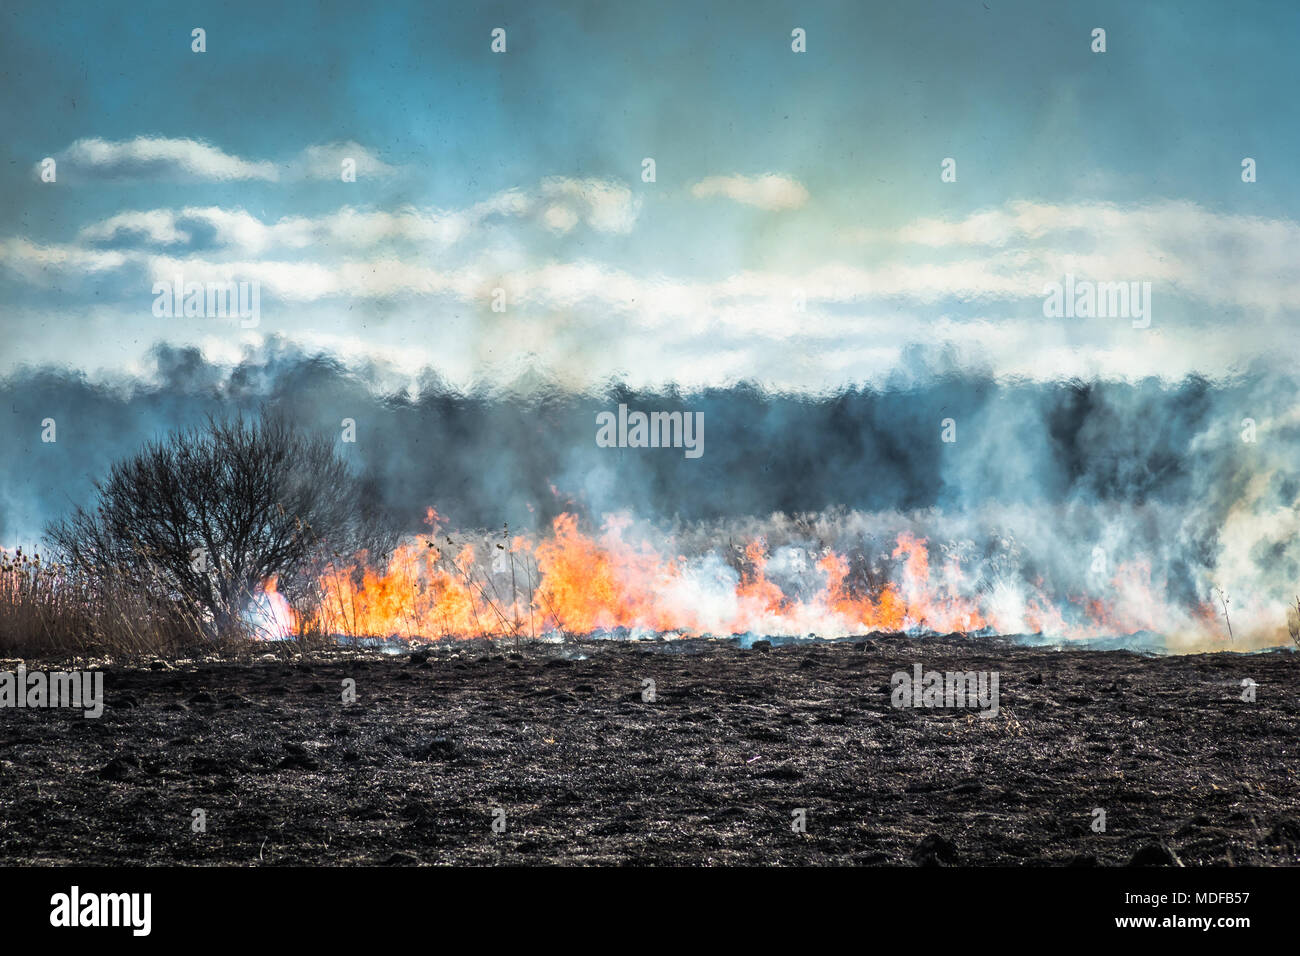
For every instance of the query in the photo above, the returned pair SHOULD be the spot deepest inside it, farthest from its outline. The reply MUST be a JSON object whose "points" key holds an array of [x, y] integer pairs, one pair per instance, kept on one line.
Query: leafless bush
{"points": [[205, 516]]}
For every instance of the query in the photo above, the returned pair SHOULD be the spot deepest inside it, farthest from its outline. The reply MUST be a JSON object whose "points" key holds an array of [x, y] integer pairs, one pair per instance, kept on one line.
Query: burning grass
{"points": [[625, 579], [569, 582]]}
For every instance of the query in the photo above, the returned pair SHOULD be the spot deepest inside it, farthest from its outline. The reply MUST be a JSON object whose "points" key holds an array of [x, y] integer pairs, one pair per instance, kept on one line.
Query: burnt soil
{"points": [[709, 772]]}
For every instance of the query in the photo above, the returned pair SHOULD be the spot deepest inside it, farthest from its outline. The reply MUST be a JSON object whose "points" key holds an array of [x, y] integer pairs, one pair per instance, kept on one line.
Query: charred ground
{"points": [[708, 773]]}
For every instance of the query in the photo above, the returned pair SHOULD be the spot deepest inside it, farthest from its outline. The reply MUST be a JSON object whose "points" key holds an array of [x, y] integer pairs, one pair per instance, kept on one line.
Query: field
{"points": [[710, 771]]}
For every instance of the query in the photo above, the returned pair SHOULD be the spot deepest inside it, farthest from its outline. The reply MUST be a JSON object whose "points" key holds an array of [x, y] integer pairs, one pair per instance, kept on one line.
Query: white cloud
{"points": [[156, 157], [158, 226], [972, 285], [326, 161], [383, 278], [1164, 223], [241, 231], [771, 191], [558, 204], [1004, 255], [1223, 260], [560, 218], [147, 156], [604, 205], [45, 264]]}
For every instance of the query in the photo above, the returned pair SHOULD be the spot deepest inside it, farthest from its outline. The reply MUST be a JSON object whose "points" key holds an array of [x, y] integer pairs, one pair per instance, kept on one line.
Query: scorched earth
{"points": [[563, 748]]}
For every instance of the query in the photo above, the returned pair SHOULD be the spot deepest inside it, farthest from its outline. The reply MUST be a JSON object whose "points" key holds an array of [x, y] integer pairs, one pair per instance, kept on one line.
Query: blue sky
{"points": [[779, 176]]}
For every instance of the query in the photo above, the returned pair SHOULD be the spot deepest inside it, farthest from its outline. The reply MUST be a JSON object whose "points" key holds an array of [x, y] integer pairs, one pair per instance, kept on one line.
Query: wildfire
{"points": [[572, 582]]}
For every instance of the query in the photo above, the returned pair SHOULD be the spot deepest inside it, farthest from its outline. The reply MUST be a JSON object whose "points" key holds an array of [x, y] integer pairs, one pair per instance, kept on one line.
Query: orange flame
{"points": [[577, 583]]}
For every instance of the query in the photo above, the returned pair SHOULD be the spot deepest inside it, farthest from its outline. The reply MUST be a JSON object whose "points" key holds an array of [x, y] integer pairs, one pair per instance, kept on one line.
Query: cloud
{"points": [[148, 157], [326, 162], [43, 264], [382, 278], [236, 229], [558, 204], [1003, 255], [604, 205], [771, 192], [971, 287], [191, 160], [1223, 260], [153, 226]]}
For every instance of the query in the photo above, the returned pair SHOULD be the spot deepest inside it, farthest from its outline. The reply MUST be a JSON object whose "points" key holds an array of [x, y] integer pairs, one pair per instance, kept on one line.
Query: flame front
{"points": [[571, 582]]}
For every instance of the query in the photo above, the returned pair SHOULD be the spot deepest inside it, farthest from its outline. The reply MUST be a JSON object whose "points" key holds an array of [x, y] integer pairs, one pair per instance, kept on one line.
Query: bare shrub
{"points": [[205, 516]]}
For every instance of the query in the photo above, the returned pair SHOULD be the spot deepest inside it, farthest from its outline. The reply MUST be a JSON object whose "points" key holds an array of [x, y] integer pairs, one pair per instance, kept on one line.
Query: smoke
{"points": [[1167, 498]]}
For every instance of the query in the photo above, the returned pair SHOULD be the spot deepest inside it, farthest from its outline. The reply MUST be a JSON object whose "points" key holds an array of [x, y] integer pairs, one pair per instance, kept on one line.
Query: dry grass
{"points": [[46, 612]]}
